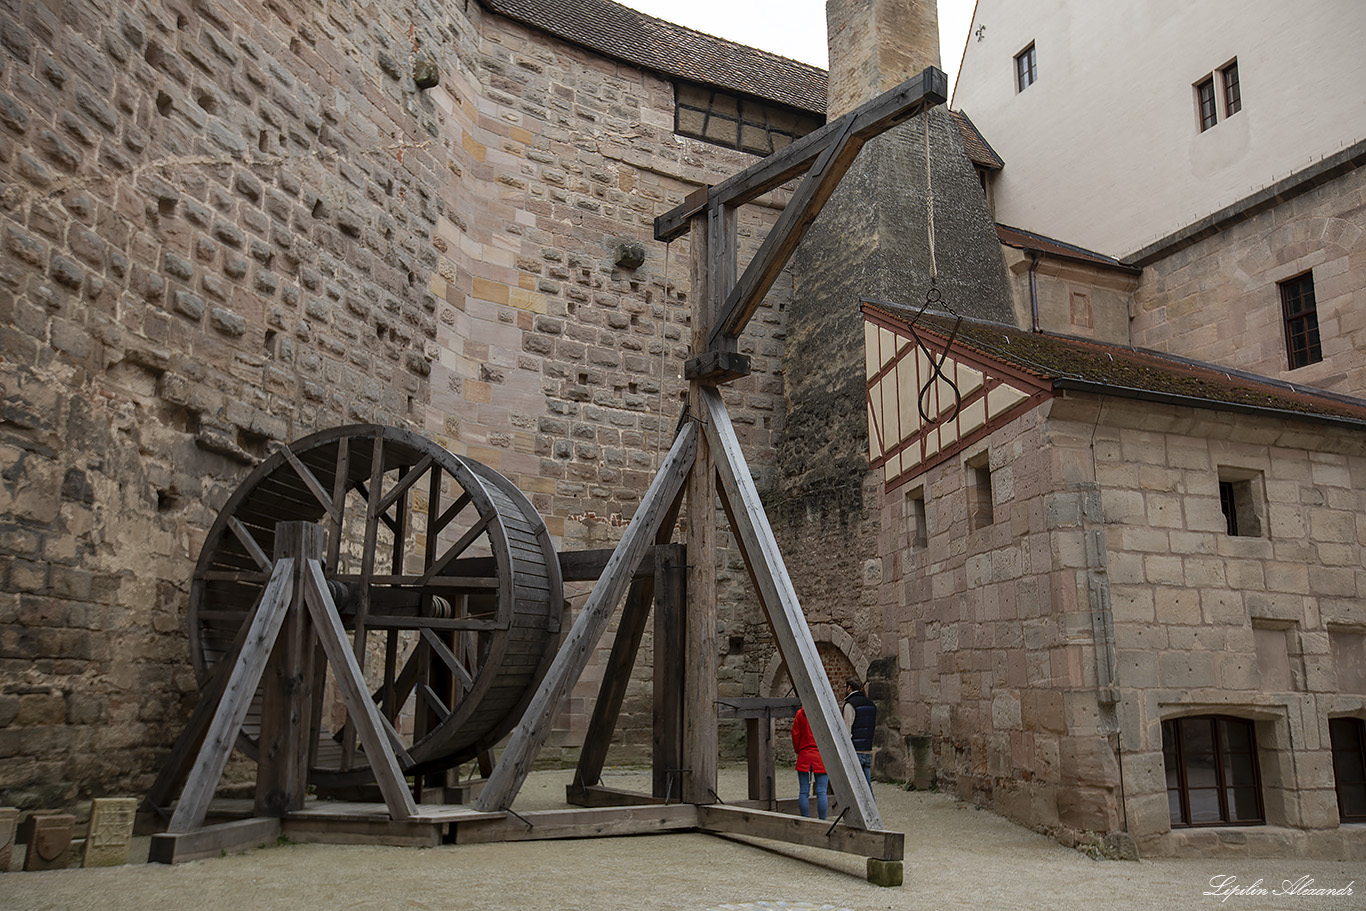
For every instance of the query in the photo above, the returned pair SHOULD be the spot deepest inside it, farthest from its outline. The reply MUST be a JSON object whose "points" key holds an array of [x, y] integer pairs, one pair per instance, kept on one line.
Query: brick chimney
{"points": [[875, 45]]}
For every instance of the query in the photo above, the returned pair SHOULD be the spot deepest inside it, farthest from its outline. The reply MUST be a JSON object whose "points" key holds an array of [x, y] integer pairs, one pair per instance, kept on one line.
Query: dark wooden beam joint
{"points": [[712, 368]]}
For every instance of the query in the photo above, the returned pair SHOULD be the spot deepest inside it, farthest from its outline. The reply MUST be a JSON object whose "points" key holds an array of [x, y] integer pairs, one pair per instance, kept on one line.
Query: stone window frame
{"points": [[1242, 500], [1300, 316], [1347, 741], [981, 494], [917, 519], [1175, 759], [759, 127]]}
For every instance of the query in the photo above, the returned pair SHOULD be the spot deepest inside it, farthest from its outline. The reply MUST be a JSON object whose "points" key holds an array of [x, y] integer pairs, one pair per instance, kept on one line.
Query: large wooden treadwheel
{"points": [[452, 637]]}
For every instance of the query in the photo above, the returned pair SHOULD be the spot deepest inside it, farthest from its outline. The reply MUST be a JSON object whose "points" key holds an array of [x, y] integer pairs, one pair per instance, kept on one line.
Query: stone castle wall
{"points": [[1218, 301], [227, 224]]}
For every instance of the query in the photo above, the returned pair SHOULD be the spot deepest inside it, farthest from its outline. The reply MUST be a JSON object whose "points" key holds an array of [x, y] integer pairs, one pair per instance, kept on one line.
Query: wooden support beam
{"points": [[568, 664], [607, 707], [187, 746], [617, 675], [779, 600], [361, 708], [800, 830], [588, 565], [700, 742], [235, 701], [325, 831], [744, 296], [599, 796], [213, 841], [586, 823], [759, 755], [759, 707], [282, 745], [671, 574], [892, 107]]}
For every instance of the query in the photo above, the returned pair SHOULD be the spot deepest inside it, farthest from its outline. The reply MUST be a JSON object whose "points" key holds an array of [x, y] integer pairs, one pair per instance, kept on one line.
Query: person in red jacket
{"points": [[809, 766]]}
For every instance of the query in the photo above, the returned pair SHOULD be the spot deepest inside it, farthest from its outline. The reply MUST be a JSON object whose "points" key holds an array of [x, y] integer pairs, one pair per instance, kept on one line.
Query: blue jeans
{"points": [[822, 788], [866, 760]]}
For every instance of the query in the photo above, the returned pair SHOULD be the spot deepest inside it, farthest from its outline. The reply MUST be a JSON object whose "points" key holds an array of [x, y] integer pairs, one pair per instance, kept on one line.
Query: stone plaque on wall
{"points": [[111, 831], [49, 842], [9, 827]]}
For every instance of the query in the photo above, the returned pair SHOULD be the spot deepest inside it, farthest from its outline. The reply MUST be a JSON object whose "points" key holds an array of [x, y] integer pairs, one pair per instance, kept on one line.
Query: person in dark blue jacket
{"points": [[860, 717]]}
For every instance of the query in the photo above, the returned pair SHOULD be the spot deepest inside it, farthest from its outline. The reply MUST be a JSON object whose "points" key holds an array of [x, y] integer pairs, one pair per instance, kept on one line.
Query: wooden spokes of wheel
{"points": [[441, 570]]}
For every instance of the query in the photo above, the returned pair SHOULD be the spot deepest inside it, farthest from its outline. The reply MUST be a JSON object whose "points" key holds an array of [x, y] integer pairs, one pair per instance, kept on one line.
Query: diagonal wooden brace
{"points": [[759, 548], [530, 734]]}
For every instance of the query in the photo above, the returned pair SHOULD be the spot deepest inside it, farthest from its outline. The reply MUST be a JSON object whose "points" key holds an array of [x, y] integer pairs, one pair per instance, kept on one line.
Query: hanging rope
{"points": [[929, 201], [933, 298], [663, 352]]}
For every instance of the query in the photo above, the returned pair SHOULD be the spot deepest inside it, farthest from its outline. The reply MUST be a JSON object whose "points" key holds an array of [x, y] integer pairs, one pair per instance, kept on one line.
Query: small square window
{"points": [[1241, 501], [1204, 97], [1233, 93], [1026, 68]]}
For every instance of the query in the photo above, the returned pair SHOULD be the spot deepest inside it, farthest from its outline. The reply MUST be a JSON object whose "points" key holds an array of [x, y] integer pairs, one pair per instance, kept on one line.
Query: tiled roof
{"points": [[624, 34], [1079, 364], [1028, 240], [978, 149]]}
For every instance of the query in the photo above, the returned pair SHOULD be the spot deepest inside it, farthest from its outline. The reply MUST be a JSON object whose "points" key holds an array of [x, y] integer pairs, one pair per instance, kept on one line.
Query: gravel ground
{"points": [[956, 857]]}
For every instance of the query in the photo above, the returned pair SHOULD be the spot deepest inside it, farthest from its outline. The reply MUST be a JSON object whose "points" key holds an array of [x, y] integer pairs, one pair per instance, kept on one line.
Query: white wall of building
{"points": [[1105, 149]]}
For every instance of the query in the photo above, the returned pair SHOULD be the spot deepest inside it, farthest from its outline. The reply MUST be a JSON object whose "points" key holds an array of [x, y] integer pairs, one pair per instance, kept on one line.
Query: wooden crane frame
{"points": [[296, 613]]}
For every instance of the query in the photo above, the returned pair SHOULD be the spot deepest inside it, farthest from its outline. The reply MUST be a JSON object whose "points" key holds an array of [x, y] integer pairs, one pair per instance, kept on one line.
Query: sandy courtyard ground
{"points": [[956, 857]]}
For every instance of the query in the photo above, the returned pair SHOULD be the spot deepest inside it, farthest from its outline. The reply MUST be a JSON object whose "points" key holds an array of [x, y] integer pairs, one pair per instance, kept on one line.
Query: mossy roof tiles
{"points": [[1068, 362]]}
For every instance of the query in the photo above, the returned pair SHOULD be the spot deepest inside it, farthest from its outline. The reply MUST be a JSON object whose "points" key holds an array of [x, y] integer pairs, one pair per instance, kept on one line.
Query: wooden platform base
{"points": [[337, 822]]}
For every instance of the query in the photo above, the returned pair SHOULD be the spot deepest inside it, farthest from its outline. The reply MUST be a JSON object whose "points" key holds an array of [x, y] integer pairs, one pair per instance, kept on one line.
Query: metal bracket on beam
{"points": [[712, 368]]}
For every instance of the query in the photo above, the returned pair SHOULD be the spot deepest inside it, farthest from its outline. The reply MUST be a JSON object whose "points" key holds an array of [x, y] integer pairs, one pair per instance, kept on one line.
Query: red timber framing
{"points": [[904, 388]]}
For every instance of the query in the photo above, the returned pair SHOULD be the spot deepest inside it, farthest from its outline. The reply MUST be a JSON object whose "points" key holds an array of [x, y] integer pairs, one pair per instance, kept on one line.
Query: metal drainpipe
{"points": [[1034, 288]]}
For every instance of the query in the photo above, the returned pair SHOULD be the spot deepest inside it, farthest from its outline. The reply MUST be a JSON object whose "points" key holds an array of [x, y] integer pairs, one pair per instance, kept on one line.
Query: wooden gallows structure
{"points": [[483, 611]]}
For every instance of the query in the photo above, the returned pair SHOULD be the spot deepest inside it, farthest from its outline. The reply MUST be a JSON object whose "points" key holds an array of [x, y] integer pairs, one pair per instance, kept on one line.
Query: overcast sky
{"points": [[794, 28]]}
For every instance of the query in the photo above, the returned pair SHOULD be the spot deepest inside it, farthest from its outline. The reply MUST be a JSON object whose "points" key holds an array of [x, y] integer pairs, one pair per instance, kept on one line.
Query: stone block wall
{"points": [[1211, 623], [992, 621], [1106, 509], [229, 223], [1218, 299]]}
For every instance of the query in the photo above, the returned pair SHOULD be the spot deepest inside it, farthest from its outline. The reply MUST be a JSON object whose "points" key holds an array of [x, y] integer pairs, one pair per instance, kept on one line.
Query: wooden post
{"points": [[700, 747], [282, 763], [670, 592], [759, 746]]}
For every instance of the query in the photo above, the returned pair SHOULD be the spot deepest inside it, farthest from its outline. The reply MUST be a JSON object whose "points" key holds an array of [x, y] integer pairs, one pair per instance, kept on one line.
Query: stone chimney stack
{"points": [[876, 45], [870, 240]]}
